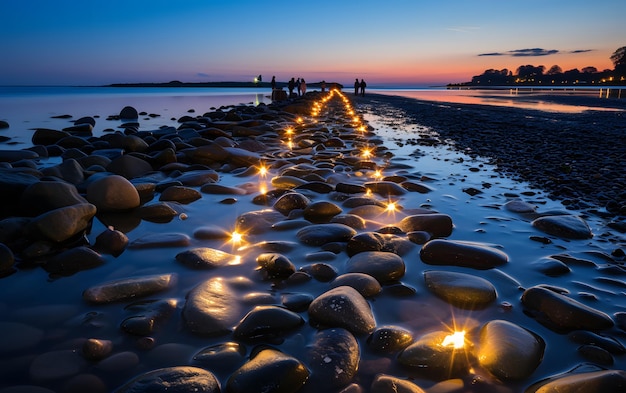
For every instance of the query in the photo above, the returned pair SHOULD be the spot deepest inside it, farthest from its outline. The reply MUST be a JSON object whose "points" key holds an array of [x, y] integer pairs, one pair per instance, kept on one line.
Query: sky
{"points": [[385, 42]]}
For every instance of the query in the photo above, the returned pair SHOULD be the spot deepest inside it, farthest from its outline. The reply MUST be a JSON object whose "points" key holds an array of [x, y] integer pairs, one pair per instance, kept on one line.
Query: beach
{"points": [[330, 242]]}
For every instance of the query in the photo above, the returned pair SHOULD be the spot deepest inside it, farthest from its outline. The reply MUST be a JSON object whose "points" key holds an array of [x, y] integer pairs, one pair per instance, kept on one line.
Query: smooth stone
{"points": [[73, 260], [343, 307], [44, 196], [321, 212], [564, 226], [96, 349], [287, 182], [63, 223], [373, 241], [291, 201], [517, 206], [155, 240], [383, 266], [320, 271], [354, 202], [317, 186], [269, 370], [212, 308], [464, 254], [18, 337], [462, 290], [605, 381], [438, 225], [371, 212], [296, 301], [350, 188], [113, 193], [56, 365], [389, 384], [180, 194], [111, 241], [428, 355], [205, 258], [319, 234], [267, 322], [211, 232], [128, 288], [365, 284], [129, 113], [416, 187], [275, 265], [551, 267], [47, 137], [385, 188], [118, 362], [17, 155], [334, 358], [596, 355], [7, 259], [242, 158], [4, 124], [257, 222], [180, 379], [129, 166], [509, 351], [220, 189], [563, 313], [69, 170], [222, 357], [608, 343], [147, 315], [351, 220], [197, 178], [389, 339], [156, 212]]}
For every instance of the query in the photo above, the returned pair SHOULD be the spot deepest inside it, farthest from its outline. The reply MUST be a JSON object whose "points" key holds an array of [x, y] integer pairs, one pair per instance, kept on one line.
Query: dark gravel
{"points": [[578, 158]]}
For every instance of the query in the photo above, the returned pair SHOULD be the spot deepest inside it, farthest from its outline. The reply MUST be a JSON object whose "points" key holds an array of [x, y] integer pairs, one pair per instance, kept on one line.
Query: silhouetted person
{"points": [[303, 86], [356, 86], [363, 85], [273, 82], [290, 85], [298, 87], [323, 86]]}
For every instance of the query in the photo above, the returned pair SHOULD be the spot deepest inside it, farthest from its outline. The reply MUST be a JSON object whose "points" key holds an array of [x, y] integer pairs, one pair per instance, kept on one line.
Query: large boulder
{"points": [[113, 193]]}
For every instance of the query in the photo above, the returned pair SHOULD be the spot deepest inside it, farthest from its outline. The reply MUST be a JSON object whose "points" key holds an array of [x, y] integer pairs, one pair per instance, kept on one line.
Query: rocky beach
{"points": [[331, 242]]}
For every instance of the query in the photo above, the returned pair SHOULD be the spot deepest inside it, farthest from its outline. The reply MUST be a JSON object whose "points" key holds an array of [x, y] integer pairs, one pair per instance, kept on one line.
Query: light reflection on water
{"points": [[502, 97]]}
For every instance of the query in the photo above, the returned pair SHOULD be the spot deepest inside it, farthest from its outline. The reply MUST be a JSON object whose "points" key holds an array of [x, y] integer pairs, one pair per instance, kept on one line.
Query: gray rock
{"points": [[267, 322], [343, 307], [275, 265], [147, 316], [428, 355], [438, 225], [47, 137], [198, 178], [564, 226], [389, 339], [334, 358], [509, 351], [319, 234], [383, 266], [69, 170], [156, 212], [560, 312], [257, 222], [62, 223], [220, 189], [365, 284], [44, 196], [212, 308], [389, 384], [459, 253], [113, 193], [111, 241], [180, 194], [97, 349], [205, 258], [605, 381], [129, 166], [290, 201], [181, 379], [373, 241], [385, 188], [73, 260], [459, 289], [17, 155], [321, 212], [129, 113], [128, 288], [517, 206]]}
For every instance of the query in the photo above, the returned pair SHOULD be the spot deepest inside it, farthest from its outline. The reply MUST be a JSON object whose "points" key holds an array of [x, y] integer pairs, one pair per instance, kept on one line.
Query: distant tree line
{"points": [[538, 75]]}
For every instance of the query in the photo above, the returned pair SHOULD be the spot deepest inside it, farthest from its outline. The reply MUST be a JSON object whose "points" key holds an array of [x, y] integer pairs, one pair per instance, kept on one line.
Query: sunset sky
{"points": [[408, 42]]}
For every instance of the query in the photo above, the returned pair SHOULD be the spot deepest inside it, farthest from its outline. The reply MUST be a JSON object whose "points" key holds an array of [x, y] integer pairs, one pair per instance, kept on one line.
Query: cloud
{"points": [[581, 51], [523, 52], [203, 75]]}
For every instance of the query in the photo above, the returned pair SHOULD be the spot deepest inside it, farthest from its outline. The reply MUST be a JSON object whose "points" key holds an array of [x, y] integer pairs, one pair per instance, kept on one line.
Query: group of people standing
{"points": [[359, 86], [298, 84]]}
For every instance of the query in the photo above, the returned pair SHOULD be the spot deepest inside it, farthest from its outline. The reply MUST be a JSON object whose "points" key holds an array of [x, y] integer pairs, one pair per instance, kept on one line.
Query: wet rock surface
{"points": [[189, 267]]}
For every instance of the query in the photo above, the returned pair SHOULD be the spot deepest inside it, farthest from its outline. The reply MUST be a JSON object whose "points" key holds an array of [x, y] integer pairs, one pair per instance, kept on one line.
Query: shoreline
{"points": [[576, 157]]}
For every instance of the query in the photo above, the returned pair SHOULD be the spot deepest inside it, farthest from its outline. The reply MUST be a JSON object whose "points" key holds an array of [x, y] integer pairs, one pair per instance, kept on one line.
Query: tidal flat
{"points": [[365, 238]]}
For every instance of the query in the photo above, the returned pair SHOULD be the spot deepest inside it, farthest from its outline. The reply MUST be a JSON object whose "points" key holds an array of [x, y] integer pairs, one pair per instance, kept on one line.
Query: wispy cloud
{"points": [[202, 75], [532, 52]]}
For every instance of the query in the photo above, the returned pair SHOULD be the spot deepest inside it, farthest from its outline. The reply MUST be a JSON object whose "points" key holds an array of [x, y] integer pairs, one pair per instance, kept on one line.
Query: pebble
{"points": [[462, 290], [113, 193], [179, 379], [389, 339], [343, 307], [128, 288], [438, 225], [212, 308], [264, 322], [334, 358], [319, 234], [383, 266], [564, 226], [205, 258], [464, 254]]}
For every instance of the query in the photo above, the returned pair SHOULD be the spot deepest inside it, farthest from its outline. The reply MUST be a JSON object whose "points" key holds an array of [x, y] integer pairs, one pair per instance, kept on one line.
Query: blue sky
{"points": [[410, 42]]}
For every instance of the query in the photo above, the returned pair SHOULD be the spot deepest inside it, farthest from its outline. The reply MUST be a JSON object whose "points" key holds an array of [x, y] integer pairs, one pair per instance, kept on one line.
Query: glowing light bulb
{"points": [[455, 340]]}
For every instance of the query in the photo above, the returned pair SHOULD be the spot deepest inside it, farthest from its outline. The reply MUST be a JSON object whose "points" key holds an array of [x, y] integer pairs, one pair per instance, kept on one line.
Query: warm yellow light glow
{"points": [[263, 188], [236, 237], [391, 207], [299, 120], [366, 153], [378, 174], [289, 131], [262, 170], [455, 340], [290, 144]]}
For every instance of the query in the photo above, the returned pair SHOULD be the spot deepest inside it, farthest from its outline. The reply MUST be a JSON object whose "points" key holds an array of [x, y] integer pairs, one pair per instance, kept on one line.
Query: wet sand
{"points": [[66, 327]]}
